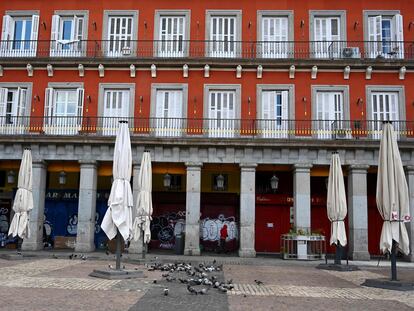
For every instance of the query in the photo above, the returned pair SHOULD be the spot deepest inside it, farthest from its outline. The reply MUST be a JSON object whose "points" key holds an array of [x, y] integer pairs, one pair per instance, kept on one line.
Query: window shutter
{"points": [[34, 33], [398, 37], [54, 37], [285, 105], [177, 106], [3, 102], [78, 33], [49, 94], [265, 105], [21, 102], [375, 35], [160, 104], [81, 99], [7, 29]]}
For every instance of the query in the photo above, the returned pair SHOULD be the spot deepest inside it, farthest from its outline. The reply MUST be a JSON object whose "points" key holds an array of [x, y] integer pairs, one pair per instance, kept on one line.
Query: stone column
{"points": [[358, 212], [135, 247], [302, 196], [247, 210], [87, 206], [410, 225], [192, 219], [36, 216]]}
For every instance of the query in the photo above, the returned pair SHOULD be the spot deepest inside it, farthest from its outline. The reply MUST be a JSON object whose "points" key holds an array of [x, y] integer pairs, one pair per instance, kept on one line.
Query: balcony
{"points": [[238, 50], [257, 129]]}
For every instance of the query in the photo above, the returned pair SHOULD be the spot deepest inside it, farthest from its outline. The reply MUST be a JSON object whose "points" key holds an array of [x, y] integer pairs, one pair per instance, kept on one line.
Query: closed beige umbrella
{"points": [[143, 217], [336, 202], [119, 213], [23, 201], [392, 198], [392, 194]]}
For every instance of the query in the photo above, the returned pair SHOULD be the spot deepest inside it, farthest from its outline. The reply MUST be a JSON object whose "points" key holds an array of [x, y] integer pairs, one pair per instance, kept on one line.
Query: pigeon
{"points": [[230, 281], [191, 289], [109, 266], [203, 291], [222, 289], [54, 256], [71, 256], [166, 291], [155, 281], [170, 279], [107, 252], [214, 262], [83, 257], [258, 282], [165, 275]]}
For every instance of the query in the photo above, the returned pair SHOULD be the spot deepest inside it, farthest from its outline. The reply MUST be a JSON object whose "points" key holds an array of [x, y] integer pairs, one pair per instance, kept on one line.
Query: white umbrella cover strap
{"points": [[23, 200], [120, 202], [336, 202], [392, 194]]}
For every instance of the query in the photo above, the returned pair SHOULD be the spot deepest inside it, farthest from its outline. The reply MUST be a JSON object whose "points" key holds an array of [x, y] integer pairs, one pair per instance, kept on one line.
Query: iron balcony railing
{"points": [[194, 49], [210, 128]]}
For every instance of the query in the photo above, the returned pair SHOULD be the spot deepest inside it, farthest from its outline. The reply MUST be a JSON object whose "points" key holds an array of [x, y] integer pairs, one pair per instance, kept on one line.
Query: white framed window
{"points": [[120, 33], [171, 33], [169, 109], [222, 111], [275, 110], [275, 34], [384, 33], [223, 33], [63, 110], [384, 108], [274, 114], [328, 33], [116, 103], [13, 109], [69, 34], [330, 111], [19, 34], [385, 103]]}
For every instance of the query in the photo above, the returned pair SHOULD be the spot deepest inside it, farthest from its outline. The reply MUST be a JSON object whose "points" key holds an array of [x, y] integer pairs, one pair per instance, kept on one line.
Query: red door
{"points": [[272, 220], [374, 227]]}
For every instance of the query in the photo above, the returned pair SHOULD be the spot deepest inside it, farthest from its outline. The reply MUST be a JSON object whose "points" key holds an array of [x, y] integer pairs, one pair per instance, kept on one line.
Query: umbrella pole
{"points": [[118, 250], [394, 261], [143, 244], [338, 253]]}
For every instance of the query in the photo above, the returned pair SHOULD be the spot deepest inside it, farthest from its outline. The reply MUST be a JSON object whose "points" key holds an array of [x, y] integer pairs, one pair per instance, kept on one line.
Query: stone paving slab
{"points": [[50, 299], [180, 299], [284, 275], [277, 303]]}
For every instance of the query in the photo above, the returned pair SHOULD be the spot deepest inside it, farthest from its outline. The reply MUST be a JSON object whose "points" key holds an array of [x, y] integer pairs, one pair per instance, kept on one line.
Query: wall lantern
{"points": [[62, 178], [274, 182], [220, 182], [11, 177], [167, 181]]}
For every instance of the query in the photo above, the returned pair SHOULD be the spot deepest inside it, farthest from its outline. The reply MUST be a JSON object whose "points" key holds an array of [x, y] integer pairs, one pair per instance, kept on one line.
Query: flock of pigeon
{"points": [[198, 279]]}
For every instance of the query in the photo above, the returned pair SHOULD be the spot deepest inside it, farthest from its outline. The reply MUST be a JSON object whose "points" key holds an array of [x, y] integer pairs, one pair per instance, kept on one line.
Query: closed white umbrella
{"points": [[119, 213], [23, 201], [392, 194], [336, 202], [144, 201]]}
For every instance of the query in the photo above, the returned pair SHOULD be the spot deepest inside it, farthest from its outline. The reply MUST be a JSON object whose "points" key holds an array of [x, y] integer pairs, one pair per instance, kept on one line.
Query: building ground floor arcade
{"points": [[199, 195]]}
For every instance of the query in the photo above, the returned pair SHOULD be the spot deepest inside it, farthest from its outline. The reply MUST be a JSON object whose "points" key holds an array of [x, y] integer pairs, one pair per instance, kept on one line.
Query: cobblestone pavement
{"points": [[62, 284], [291, 288]]}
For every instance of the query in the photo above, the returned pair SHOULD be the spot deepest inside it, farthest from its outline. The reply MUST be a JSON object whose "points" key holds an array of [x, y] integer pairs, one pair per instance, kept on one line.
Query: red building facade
{"points": [[225, 95]]}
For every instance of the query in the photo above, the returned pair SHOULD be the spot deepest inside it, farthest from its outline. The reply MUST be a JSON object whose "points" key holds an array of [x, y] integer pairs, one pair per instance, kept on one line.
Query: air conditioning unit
{"points": [[126, 51], [351, 52]]}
